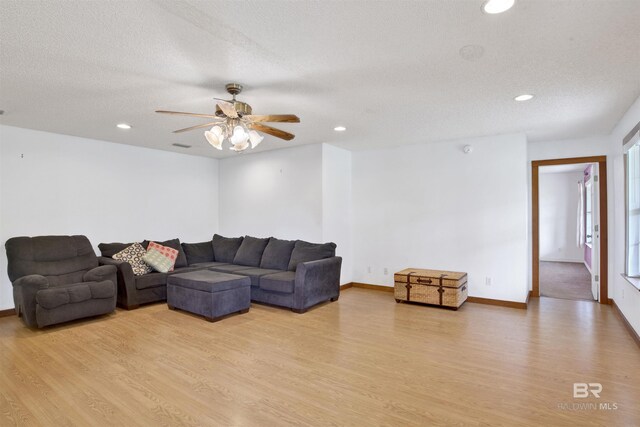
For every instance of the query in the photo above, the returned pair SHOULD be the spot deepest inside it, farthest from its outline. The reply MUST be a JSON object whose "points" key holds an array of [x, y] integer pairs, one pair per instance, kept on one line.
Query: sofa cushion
{"points": [[79, 293], [151, 280], [158, 261], [230, 268], [62, 259], [51, 298], [184, 270], [250, 251], [198, 252], [206, 265], [110, 249], [277, 254], [181, 260], [133, 255], [256, 273], [225, 248], [279, 282], [305, 251], [104, 289]]}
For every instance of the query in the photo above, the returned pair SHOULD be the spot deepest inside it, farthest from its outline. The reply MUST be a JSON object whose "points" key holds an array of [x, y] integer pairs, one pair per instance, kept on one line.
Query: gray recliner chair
{"points": [[57, 279]]}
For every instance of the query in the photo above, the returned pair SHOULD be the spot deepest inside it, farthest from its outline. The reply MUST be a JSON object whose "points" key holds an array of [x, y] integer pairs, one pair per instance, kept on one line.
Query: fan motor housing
{"points": [[242, 108]]}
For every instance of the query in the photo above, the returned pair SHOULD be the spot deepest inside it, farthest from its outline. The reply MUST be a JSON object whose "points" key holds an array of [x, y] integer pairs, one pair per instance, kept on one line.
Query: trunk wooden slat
{"points": [[436, 287]]}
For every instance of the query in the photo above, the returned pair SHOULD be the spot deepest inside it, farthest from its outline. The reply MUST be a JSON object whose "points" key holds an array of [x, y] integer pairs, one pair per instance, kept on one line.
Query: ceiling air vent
{"points": [[181, 145]]}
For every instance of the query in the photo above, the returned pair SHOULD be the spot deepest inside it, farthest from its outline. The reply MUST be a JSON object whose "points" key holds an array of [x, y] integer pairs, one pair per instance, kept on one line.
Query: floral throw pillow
{"points": [[168, 252], [157, 261], [133, 255]]}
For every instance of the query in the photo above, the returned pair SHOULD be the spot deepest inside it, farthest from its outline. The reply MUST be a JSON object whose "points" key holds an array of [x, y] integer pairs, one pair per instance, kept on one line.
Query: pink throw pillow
{"points": [[170, 253]]}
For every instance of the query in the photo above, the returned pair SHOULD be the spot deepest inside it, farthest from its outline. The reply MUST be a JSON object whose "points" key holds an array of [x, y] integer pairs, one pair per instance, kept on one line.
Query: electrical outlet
{"points": [[369, 269], [622, 293], [487, 281], [386, 271]]}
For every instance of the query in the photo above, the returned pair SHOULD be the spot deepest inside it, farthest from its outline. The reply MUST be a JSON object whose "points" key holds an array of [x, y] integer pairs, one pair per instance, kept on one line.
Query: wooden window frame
{"points": [[634, 280]]}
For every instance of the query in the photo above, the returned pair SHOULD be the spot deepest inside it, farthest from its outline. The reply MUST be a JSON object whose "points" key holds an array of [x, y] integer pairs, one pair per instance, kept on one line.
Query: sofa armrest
{"points": [[34, 281], [104, 272], [317, 281], [24, 296], [125, 283]]}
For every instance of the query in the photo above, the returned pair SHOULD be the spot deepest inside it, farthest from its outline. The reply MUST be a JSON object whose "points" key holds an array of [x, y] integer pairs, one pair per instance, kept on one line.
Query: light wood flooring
{"points": [[361, 361]]}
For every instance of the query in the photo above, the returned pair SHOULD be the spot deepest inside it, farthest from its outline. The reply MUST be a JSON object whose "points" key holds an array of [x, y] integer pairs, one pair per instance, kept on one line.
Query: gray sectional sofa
{"points": [[293, 274], [136, 290]]}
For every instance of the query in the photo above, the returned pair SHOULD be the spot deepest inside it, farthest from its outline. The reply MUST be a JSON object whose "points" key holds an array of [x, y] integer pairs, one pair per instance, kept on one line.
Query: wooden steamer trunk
{"points": [[435, 287]]}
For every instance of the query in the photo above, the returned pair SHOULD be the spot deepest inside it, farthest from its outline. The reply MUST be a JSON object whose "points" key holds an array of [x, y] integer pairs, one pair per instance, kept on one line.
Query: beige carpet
{"points": [[567, 280]]}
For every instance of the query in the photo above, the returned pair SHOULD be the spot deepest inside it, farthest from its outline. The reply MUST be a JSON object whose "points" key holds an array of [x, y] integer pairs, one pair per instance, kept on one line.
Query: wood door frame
{"points": [[535, 221]]}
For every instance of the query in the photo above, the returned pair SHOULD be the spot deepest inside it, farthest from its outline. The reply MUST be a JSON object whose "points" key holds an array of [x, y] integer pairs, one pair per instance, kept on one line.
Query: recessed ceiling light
{"points": [[523, 97], [339, 128], [497, 6], [123, 126]]}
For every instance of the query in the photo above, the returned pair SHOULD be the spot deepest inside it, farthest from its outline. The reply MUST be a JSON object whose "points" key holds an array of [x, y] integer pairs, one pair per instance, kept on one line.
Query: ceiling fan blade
{"points": [[228, 109], [210, 116], [283, 118], [205, 125], [272, 131]]}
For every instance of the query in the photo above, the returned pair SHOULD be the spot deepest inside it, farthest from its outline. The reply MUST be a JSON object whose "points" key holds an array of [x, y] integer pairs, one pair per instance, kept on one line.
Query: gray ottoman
{"points": [[209, 293]]}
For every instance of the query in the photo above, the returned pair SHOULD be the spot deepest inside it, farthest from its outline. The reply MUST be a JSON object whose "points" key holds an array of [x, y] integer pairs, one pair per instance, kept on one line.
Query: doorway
{"points": [[561, 268], [568, 212]]}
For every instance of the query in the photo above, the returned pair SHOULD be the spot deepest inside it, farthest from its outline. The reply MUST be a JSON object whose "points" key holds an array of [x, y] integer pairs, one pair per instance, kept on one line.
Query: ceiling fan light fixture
{"points": [[493, 7], [214, 139], [217, 130], [239, 136], [255, 138], [240, 147], [234, 123]]}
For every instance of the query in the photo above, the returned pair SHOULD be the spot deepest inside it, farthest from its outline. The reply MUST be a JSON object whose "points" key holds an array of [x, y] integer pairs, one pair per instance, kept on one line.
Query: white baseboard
{"points": [[587, 265], [561, 260]]}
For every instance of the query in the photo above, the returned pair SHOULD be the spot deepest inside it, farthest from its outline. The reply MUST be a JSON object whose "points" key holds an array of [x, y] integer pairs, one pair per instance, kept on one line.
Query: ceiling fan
{"points": [[234, 122]]}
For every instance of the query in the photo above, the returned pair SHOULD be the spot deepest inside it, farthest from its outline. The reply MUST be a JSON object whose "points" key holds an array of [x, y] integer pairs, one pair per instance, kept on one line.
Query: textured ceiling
{"points": [[390, 71]]}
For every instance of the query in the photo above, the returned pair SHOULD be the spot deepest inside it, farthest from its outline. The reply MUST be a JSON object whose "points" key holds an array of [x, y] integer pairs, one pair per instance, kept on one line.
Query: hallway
{"points": [[566, 280]]}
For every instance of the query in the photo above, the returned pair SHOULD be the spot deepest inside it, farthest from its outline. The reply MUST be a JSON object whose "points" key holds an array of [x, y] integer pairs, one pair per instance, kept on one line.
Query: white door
{"points": [[592, 224]]}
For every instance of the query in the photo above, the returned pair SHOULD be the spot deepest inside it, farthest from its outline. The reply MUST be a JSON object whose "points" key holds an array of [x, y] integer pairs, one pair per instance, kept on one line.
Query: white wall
{"points": [[59, 184], [298, 193], [568, 148], [432, 206], [559, 200], [337, 205], [626, 296], [274, 193]]}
